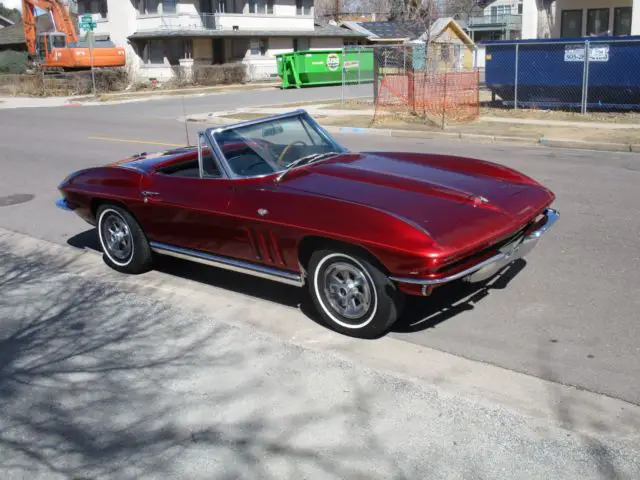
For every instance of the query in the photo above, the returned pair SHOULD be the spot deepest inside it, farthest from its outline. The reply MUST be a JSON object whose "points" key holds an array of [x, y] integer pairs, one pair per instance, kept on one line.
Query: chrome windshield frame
{"points": [[211, 132]]}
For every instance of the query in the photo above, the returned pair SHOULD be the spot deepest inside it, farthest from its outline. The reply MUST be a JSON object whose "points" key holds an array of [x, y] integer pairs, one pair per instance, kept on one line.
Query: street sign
{"points": [[87, 26], [87, 23]]}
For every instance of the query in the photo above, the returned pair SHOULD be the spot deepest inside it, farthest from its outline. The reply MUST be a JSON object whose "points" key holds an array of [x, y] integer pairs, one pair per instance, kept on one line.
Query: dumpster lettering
{"points": [[575, 53]]}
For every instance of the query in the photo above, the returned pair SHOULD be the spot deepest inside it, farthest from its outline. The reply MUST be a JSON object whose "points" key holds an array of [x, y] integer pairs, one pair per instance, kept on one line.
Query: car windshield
{"points": [[274, 145]]}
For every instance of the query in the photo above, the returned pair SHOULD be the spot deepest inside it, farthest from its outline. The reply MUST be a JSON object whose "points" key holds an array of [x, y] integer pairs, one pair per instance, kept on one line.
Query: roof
{"points": [[387, 30], [439, 27], [6, 21], [318, 31]]}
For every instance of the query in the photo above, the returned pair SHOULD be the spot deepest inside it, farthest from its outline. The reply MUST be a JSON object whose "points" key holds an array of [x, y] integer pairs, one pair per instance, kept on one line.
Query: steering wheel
{"points": [[289, 147]]}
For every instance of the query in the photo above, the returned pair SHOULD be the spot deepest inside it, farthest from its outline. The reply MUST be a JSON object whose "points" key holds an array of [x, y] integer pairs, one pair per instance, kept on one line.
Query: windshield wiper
{"points": [[304, 161]]}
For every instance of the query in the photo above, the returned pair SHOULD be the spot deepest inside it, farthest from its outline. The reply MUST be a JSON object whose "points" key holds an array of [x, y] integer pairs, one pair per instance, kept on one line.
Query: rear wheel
{"points": [[352, 294], [123, 242]]}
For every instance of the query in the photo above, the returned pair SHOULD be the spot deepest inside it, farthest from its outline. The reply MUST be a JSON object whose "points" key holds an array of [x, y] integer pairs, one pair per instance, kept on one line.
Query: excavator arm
{"points": [[61, 19]]}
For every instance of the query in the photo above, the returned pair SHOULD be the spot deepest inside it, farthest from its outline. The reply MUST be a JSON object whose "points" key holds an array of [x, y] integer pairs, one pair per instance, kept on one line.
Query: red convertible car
{"points": [[281, 199]]}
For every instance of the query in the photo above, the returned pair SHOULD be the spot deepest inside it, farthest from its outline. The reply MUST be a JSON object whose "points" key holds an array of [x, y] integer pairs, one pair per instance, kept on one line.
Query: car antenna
{"points": [[184, 115]]}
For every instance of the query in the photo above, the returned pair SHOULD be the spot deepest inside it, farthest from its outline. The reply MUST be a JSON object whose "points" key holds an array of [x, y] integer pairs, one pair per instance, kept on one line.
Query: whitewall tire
{"points": [[352, 295], [123, 242]]}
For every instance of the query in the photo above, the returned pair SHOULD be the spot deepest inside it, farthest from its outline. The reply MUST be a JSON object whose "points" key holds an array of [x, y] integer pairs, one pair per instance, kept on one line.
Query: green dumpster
{"points": [[325, 67]]}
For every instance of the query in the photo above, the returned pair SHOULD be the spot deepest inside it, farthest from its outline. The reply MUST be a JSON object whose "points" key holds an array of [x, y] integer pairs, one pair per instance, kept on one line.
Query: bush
{"points": [[13, 62], [209, 75]]}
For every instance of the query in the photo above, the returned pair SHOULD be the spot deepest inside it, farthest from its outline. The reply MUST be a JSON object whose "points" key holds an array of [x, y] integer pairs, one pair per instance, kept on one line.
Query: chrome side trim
{"points": [[64, 205], [232, 264], [515, 252]]}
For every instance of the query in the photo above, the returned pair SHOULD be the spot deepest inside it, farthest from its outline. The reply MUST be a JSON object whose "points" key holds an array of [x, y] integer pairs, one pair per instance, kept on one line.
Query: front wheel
{"points": [[123, 242], [352, 295]]}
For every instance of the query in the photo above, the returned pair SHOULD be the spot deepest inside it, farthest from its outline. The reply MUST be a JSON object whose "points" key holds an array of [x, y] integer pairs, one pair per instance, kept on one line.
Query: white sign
{"points": [[597, 53], [333, 61]]}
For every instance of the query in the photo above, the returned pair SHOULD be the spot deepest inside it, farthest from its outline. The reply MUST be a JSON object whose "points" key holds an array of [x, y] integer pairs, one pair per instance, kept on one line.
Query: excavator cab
{"points": [[47, 41]]}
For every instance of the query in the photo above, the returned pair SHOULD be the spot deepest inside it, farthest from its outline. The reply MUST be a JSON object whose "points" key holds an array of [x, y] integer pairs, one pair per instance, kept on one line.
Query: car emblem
{"points": [[479, 200], [262, 212]]}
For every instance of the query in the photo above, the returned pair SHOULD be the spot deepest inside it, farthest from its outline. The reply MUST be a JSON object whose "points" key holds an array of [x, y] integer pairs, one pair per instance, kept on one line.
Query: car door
{"points": [[190, 212]]}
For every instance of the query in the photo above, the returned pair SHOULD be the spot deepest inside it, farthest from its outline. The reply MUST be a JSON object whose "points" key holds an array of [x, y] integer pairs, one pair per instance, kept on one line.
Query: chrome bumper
{"points": [[64, 205], [489, 267]]}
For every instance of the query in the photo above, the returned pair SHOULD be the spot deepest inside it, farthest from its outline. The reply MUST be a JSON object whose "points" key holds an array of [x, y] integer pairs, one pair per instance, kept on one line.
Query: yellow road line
{"points": [[146, 142]]}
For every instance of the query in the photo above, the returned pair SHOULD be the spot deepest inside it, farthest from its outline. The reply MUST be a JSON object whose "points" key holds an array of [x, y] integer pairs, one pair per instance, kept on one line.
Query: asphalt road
{"points": [[570, 314]]}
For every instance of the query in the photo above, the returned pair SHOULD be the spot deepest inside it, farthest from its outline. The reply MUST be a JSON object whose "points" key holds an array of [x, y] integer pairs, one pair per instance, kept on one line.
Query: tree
{"points": [[463, 9], [545, 18], [12, 14]]}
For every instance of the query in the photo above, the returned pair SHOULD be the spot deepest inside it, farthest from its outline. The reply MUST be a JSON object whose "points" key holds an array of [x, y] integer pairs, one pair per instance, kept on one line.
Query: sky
{"points": [[12, 4]]}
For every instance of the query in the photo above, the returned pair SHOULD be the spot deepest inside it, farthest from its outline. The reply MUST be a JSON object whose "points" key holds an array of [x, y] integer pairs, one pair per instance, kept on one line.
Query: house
{"points": [[162, 34], [387, 32], [450, 48], [581, 18], [5, 22], [497, 20]]}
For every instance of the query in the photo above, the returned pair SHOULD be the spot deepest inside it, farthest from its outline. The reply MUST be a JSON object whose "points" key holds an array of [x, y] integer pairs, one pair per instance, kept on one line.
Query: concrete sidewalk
{"points": [[105, 375]]}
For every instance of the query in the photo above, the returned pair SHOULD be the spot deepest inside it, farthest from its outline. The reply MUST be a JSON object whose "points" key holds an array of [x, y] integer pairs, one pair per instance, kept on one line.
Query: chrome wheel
{"points": [[347, 290], [117, 237]]}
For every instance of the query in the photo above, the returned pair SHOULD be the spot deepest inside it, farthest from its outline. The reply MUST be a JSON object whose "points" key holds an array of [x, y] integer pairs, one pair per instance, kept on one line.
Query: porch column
{"points": [[530, 19], [635, 18]]}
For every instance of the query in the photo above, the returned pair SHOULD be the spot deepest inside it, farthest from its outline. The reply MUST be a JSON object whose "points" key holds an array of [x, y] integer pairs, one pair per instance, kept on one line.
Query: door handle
{"points": [[146, 193]]}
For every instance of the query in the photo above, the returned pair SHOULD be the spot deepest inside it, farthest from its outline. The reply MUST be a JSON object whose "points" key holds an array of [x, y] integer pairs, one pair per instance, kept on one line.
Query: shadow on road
{"points": [[420, 313], [96, 382]]}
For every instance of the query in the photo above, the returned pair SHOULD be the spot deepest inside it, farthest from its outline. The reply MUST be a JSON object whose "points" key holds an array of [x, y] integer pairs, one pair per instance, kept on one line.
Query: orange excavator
{"points": [[61, 49]]}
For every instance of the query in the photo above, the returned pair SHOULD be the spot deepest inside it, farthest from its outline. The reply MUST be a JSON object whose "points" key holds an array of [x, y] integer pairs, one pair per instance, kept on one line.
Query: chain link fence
{"points": [[437, 82], [585, 76], [357, 74]]}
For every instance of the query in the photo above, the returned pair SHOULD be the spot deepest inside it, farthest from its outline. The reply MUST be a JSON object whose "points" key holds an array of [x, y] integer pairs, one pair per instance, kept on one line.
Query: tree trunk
{"points": [[545, 18]]}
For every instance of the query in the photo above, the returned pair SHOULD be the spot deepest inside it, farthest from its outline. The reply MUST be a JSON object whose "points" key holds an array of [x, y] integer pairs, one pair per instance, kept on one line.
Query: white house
{"points": [[498, 20], [161, 34], [578, 18]]}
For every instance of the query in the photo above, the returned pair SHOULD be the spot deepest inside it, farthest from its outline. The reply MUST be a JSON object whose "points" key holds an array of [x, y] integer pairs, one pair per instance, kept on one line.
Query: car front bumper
{"points": [[489, 267], [64, 205]]}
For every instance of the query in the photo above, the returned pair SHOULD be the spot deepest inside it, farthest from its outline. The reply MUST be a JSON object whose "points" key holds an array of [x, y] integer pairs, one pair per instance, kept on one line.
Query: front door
{"points": [[218, 51], [189, 212]]}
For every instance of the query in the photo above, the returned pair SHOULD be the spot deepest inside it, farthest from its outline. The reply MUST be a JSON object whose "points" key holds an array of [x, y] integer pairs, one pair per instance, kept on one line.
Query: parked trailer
{"points": [[551, 73]]}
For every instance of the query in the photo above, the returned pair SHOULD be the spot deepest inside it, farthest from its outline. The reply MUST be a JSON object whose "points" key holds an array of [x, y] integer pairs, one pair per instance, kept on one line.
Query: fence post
{"points": [[342, 64], [515, 93], [444, 100], [376, 75], [585, 79]]}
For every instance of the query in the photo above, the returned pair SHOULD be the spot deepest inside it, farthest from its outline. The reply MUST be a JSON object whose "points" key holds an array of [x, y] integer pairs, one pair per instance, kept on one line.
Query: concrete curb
{"points": [[174, 92], [434, 135], [542, 141]]}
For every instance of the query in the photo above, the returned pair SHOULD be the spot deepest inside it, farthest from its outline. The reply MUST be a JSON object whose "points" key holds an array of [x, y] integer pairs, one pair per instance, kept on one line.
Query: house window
{"points": [[300, 44], [303, 7], [597, 21], [259, 47], [571, 25], [153, 52], [622, 21], [169, 6]]}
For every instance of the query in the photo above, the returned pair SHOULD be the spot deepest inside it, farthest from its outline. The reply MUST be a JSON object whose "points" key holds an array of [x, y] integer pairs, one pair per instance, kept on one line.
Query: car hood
{"points": [[454, 199]]}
